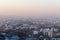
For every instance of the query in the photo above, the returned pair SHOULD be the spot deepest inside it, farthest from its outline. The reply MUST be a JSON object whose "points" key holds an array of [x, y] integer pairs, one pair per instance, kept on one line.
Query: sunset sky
{"points": [[34, 8]]}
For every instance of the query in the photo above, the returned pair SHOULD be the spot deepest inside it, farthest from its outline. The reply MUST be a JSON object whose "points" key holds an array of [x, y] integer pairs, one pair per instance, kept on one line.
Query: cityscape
{"points": [[29, 19], [29, 29]]}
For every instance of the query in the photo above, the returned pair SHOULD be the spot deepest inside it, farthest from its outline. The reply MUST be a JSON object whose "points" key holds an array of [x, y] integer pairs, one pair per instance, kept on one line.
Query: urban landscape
{"points": [[29, 29], [29, 19]]}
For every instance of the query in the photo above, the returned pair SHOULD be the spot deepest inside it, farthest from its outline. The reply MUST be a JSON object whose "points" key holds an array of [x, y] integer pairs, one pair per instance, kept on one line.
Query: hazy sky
{"points": [[30, 7]]}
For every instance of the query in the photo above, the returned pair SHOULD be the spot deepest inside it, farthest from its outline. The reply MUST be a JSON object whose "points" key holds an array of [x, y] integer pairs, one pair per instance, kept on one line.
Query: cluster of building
{"points": [[30, 29]]}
